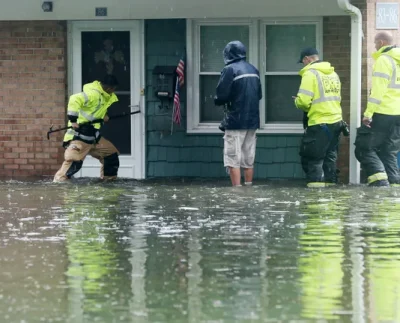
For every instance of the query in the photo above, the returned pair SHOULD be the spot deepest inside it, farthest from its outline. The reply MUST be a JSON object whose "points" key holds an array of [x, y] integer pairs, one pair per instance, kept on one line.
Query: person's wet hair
{"points": [[110, 81]]}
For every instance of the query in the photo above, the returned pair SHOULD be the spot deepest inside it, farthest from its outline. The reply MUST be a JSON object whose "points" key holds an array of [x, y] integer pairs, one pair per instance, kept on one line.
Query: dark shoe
{"points": [[380, 183]]}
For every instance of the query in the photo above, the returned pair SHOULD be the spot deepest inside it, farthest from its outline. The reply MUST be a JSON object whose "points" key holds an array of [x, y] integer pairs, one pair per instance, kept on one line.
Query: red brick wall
{"points": [[32, 96], [337, 51], [336, 42], [369, 14]]}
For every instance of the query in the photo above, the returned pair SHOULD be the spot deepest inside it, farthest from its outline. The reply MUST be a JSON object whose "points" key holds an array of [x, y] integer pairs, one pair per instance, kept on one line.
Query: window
{"points": [[282, 46], [213, 40], [272, 46]]}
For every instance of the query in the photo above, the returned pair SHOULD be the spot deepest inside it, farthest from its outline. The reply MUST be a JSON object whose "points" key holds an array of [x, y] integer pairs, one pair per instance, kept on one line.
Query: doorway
{"points": [[113, 47]]}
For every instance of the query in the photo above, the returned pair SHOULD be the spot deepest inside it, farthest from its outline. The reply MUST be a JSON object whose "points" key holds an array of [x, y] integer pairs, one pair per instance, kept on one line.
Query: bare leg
{"points": [[234, 173], [248, 175]]}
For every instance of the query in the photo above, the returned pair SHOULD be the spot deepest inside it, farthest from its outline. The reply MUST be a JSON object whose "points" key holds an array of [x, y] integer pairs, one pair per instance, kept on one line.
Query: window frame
{"points": [[257, 44], [289, 128]]}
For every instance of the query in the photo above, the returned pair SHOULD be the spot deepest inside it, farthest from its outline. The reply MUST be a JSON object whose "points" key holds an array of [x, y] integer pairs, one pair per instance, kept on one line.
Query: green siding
{"points": [[186, 155]]}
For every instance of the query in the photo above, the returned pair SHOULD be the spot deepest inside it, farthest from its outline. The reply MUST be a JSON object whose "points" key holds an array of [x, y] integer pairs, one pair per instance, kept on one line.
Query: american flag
{"points": [[176, 112]]}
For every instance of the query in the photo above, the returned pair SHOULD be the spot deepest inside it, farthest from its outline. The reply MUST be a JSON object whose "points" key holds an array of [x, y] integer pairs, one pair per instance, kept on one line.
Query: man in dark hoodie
{"points": [[239, 90]]}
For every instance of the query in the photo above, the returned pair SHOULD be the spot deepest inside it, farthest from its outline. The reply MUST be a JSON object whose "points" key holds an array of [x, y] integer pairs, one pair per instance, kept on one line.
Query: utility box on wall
{"points": [[164, 78]]}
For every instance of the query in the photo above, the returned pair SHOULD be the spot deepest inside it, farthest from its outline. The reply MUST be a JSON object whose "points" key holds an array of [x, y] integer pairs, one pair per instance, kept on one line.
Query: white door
{"points": [[97, 48]]}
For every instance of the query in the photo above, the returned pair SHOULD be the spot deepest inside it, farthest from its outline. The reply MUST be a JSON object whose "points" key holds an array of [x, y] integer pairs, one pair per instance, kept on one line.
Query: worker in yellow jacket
{"points": [[319, 96], [85, 138], [378, 139]]}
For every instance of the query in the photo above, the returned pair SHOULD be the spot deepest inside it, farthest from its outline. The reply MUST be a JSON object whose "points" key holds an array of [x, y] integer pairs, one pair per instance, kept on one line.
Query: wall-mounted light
{"points": [[47, 6]]}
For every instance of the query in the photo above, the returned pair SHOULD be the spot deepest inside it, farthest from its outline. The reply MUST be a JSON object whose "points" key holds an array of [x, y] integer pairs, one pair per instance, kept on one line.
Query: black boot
{"points": [[380, 183]]}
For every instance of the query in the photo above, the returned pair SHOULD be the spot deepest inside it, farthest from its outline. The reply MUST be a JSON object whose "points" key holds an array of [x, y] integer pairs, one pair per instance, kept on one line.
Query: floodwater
{"points": [[198, 252]]}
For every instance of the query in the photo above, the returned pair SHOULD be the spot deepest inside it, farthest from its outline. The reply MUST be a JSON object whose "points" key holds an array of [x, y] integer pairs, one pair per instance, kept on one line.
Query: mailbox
{"points": [[164, 78]]}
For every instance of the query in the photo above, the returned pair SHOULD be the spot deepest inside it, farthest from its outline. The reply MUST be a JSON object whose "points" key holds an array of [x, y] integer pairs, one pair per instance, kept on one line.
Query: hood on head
{"points": [[96, 85], [234, 51]]}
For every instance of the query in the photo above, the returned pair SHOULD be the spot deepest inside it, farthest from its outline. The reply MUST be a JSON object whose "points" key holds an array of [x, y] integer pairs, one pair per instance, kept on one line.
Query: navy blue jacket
{"points": [[240, 89]]}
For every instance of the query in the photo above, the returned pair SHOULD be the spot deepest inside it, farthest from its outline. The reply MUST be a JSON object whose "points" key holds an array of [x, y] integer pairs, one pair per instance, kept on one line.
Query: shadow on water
{"points": [[170, 251]]}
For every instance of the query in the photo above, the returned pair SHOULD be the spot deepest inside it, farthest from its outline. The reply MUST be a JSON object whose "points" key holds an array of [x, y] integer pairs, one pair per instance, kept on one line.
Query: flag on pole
{"points": [[176, 111]]}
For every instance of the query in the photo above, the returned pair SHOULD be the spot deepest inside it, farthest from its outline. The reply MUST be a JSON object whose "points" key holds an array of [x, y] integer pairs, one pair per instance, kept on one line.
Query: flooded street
{"points": [[151, 252]]}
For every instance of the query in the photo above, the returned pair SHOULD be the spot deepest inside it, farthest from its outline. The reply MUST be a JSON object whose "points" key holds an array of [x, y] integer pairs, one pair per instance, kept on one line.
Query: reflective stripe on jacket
{"points": [[385, 89], [320, 94], [89, 105], [71, 133]]}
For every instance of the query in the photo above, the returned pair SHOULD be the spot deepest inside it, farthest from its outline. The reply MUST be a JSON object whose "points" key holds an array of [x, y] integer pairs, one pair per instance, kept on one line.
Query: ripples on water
{"points": [[142, 252]]}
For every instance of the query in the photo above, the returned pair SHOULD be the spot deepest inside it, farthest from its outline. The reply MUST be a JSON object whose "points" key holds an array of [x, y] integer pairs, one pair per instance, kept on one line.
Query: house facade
{"points": [[45, 56]]}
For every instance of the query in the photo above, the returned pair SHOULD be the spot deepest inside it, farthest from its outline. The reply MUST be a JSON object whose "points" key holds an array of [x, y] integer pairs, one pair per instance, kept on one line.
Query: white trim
{"points": [[355, 83], [209, 73], [190, 108], [257, 58], [143, 96], [273, 128], [281, 73], [132, 166], [140, 55]]}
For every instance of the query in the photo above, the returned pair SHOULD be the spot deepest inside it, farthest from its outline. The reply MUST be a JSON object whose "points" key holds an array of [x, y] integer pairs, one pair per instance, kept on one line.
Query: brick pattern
{"points": [[368, 9], [336, 41], [362, 5], [32, 96], [369, 15]]}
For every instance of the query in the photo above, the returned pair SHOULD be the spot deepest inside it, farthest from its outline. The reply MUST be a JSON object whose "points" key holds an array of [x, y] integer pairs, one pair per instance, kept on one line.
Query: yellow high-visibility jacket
{"points": [[385, 89], [89, 105], [320, 94]]}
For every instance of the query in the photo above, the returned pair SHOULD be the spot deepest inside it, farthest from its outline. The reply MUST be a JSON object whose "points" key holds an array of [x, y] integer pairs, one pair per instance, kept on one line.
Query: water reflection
{"points": [[322, 255], [383, 260], [97, 246], [129, 252]]}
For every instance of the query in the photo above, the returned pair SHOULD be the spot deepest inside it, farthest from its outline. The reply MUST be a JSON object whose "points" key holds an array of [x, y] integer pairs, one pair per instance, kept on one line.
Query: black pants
{"points": [[377, 147], [319, 151]]}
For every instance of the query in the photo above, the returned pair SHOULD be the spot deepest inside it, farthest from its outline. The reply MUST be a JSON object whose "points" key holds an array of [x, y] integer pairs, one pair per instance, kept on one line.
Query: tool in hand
{"points": [[51, 130]]}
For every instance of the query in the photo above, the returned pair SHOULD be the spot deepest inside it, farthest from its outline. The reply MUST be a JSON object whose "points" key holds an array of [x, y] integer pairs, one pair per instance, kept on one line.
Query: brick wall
{"points": [[362, 5], [336, 42], [369, 14], [32, 96], [337, 50]]}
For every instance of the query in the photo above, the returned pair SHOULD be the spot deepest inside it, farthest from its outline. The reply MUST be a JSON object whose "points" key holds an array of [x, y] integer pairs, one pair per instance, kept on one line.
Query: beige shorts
{"points": [[239, 148]]}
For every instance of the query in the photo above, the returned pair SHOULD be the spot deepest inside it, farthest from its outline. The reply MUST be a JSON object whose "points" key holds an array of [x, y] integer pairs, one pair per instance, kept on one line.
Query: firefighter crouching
{"points": [[84, 139], [378, 139], [319, 96]]}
